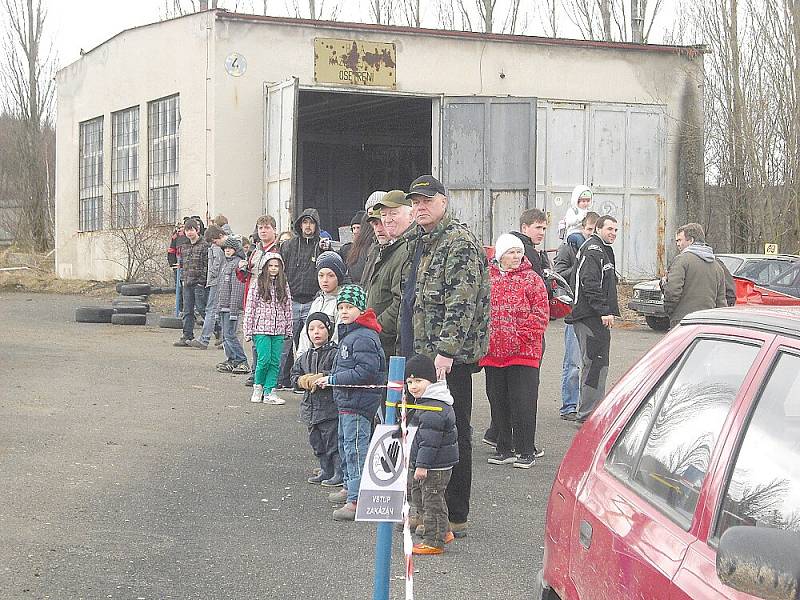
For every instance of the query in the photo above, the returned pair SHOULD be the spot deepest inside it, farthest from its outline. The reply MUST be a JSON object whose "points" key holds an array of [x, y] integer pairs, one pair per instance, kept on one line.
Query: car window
{"points": [[762, 271], [731, 263], [787, 277], [666, 447], [764, 489]]}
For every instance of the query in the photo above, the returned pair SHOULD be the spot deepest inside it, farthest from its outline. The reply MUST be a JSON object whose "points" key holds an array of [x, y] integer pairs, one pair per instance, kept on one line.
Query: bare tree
{"points": [[548, 16], [138, 246], [314, 9], [411, 12], [26, 72], [381, 11]]}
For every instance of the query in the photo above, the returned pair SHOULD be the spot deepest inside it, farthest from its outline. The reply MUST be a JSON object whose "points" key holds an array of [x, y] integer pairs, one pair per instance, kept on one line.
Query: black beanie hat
{"points": [[421, 367], [324, 319], [331, 260]]}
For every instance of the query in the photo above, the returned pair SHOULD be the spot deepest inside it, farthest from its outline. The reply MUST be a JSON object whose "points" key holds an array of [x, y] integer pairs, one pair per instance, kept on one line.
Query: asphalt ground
{"points": [[132, 469]]}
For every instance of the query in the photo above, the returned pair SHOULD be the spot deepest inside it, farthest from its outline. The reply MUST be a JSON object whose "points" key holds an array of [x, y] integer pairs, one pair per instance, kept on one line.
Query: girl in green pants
{"points": [[268, 321]]}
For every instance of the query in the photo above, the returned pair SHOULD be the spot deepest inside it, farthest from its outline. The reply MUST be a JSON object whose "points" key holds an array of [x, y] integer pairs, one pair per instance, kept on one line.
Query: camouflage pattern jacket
{"points": [[451, 309]]}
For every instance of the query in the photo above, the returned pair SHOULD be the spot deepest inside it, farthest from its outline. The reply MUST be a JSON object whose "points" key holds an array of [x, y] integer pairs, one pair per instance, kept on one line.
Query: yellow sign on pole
{"points": [[771, 249], [356, 63]]}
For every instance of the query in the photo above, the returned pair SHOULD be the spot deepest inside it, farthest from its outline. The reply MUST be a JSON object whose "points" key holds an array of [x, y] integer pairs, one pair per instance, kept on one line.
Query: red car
{"points": [[689, 469]]}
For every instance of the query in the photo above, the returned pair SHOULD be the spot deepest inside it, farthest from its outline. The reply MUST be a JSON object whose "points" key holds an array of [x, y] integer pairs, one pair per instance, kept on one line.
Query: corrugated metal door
{"points": [[489, 161], [619, 151], [280, 150]]}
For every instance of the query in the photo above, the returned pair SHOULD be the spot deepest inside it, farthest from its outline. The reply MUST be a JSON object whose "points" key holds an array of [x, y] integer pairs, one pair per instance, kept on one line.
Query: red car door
{"points": [[634, 519], [757, 479]]}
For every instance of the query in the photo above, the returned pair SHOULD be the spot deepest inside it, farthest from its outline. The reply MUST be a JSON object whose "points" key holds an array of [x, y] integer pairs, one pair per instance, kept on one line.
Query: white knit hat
{"points": [[505, 243], [373, 199]]}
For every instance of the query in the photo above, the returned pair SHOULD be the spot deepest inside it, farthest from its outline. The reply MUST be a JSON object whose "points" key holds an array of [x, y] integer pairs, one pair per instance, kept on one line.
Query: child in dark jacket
{"points": [[230, 296], [317, 409], [433, 454], [359, 361]]}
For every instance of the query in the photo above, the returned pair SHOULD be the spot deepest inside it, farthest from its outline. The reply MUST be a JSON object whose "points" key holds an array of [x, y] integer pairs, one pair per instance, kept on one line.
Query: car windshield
{"points": [[786, 277], [731, 263]]}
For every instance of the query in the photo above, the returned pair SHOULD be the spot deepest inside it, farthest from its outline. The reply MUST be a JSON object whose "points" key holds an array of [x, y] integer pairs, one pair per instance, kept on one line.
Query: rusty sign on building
{"points": [[353, 62]]}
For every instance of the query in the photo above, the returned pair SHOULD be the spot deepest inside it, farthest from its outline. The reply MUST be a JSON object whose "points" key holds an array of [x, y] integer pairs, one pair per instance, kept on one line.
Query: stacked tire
{"points": [[129, 308]]}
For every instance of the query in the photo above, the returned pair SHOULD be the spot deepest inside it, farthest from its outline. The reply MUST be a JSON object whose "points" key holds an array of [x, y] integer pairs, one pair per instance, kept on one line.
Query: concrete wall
{"points": [[222, 128], [134, 68]]}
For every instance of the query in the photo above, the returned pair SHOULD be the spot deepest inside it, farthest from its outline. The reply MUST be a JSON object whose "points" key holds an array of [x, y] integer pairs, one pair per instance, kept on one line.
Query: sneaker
{"points": [[258, 393], [525, 461], [335, 481], [318, 478], [181, 343], [538, 452], [488, 442], [338, 497], [225, 367], [249, 381], [198, 344], [570, 416], [345, 513], [502, 458], [273, 399], [459, 530], [426, 549], [241, 369]]}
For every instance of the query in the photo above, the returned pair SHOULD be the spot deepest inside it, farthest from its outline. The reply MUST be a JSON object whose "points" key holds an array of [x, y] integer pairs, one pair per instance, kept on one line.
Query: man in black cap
{"points": [[444, 315]]}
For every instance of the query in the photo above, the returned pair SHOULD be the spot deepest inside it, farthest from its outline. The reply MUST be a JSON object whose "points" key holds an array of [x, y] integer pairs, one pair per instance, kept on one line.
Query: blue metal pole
{"points": [[383, 543], [178, 290]]}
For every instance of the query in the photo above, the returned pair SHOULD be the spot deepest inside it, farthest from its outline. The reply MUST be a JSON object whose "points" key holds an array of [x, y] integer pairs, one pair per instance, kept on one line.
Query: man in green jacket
{"points": [[444, 315], [383, 286]]}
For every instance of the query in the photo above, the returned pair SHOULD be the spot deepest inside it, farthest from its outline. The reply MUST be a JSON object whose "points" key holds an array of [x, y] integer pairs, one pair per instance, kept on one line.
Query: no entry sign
{"points": [[383, 482]]}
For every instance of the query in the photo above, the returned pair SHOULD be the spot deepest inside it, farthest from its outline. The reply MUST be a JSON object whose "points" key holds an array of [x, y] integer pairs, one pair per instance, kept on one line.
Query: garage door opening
{"points": [[349, 145]]}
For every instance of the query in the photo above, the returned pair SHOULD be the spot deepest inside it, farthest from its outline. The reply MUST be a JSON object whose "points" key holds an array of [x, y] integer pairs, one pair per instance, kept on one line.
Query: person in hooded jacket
{"points": [[434, 452], [593, 311], [331, 275], [518, 318], [580, 203], [300, 259], [694, 281]]}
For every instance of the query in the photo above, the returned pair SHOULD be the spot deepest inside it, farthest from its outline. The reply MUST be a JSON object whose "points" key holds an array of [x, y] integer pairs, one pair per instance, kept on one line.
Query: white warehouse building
{"points": [[218, 112]]}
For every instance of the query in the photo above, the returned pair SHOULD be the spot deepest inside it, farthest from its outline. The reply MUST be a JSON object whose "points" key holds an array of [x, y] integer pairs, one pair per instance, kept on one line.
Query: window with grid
{"points": [[90, 175], [163, 136], [125, 167]]}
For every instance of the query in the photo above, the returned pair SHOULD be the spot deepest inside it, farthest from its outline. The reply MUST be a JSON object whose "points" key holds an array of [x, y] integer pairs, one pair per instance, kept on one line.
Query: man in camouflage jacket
{"points": [[445, 315]]}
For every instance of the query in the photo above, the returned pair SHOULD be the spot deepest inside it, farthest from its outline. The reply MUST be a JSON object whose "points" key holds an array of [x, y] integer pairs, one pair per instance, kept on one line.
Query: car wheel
{"points": [[658, 323], [135, 289], [131, 309], [170, 322], [93, 314], [125, 319]]}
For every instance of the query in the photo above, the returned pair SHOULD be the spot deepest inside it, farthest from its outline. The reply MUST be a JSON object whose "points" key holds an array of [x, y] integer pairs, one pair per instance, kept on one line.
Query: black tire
{"points": [[163, 290], [93, 314], [119, 285], [121, 319], [170, 322], [658, 323], [127, 300], [135, 289], [131, 309]]}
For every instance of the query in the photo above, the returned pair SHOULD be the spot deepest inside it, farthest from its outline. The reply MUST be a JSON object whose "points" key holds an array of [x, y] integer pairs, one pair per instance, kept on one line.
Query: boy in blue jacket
{"points": [[433, 454], [359, 361]]}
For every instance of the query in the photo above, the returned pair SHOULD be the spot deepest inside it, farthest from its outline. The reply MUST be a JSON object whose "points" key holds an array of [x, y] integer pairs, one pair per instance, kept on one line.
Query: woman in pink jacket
{"points": [[268, 322], [517, 322]]}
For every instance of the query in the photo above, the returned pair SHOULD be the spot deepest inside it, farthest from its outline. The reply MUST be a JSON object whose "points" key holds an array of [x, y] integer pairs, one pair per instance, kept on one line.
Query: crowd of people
{"points": [[414, 282]]}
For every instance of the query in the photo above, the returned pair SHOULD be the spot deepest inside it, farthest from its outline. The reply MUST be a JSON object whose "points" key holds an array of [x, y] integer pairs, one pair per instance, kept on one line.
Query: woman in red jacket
{"points": [[518, 319]]}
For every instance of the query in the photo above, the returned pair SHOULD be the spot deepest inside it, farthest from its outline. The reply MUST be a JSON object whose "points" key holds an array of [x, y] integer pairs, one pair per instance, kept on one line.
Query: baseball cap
{"points": [[393, 199], [426, 185], [374, 213]]}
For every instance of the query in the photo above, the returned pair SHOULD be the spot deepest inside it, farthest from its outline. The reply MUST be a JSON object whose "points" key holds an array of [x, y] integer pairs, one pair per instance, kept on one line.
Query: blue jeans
{"points": [[194, 296], [211, 319], [354, 434], [299, 315], [234, 351], [570, 372]]}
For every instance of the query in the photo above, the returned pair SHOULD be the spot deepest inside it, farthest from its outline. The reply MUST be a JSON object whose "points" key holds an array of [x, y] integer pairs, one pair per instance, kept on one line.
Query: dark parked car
{"points": [[685, 482], [647, 299]]}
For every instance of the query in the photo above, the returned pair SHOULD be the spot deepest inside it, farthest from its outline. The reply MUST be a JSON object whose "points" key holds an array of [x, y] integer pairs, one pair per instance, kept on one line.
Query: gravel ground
{"points": [[131, 469]]}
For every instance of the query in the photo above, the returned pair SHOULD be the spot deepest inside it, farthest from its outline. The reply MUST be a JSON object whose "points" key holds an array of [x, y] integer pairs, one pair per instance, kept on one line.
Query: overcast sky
{"points": [[77, 24]]}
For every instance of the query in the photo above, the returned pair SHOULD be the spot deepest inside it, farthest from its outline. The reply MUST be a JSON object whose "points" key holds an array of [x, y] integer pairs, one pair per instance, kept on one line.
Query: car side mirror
{"points": [[760, 561]]}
